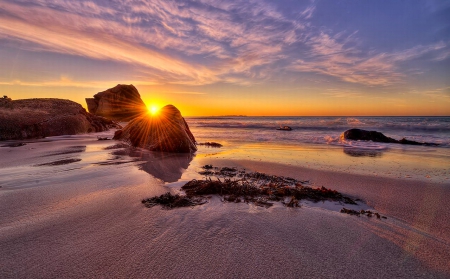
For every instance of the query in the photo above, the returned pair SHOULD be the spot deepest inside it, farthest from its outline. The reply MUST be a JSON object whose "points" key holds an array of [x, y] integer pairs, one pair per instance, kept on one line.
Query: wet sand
{"points": [[84, 219]]}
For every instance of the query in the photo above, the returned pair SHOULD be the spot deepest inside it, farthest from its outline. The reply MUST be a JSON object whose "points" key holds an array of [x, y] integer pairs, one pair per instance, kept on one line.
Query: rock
{"points": [[167, 131], [5, 100], [358, 134], [121, 103], [39, 118]]}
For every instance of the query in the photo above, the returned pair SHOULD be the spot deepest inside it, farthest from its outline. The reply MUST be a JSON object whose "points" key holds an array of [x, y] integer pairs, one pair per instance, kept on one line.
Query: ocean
{"points": [[322, 130]]}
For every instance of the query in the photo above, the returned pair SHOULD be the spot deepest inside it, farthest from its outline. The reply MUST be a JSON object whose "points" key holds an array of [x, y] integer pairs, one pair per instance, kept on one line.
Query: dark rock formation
{"points": [[121, 103], [38, 118], [167, 131], [4, 100], [358, 134]]}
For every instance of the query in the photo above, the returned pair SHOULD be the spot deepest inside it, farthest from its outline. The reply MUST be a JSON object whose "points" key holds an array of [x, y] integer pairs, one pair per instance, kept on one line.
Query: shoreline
{"points": [[87, 218]]}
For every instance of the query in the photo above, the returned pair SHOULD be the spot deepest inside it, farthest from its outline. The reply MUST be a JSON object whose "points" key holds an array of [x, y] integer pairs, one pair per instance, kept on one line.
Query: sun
{"points": [[153, 109]]}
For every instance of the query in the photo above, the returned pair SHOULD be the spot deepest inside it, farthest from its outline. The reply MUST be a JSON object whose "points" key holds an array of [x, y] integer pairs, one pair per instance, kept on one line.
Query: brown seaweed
{"points": [[211, 144], [169, 201], [368, 213], [258, 188], [60, 162]]}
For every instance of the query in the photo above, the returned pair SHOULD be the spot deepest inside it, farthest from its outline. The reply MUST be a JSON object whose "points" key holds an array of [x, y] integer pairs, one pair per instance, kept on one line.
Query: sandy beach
{"points": [[224, 139], [72, 209]]}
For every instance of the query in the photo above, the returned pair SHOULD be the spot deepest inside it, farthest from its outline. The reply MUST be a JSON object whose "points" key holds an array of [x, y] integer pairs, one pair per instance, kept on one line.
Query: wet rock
{"points": [[358, 134], [39, 118], [122, 103], [167, 131]]}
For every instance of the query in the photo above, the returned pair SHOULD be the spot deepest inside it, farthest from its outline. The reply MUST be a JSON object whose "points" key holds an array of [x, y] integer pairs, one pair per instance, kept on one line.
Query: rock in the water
{"points": [[121, 103], [167, 131], [358, 134], [38, 118]]}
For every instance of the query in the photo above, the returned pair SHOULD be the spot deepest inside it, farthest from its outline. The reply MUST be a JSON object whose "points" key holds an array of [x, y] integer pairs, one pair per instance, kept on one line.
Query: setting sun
{"points": [[153, 109]]}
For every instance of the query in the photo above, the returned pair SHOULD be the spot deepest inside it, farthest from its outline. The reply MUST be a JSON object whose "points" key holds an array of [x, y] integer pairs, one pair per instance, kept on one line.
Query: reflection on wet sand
{"points": [[168, 167], [355, 152]]}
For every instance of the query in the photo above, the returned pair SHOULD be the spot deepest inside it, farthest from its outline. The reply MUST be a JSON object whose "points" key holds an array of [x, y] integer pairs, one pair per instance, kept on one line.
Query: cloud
{"points": [[65, 81], [185, 92], [338, 57], [339, 93], [70, 40], [152, 32], [442, 94], [203, 42], [308, 12]]}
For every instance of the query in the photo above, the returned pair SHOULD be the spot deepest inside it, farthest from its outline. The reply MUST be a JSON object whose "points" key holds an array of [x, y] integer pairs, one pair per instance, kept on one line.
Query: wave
{"points": [[333, 124], [322, 130]]}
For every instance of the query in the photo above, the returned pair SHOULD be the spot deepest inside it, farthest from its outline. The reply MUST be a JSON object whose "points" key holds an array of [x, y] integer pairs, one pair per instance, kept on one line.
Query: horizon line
{"points": [[244, 116]]}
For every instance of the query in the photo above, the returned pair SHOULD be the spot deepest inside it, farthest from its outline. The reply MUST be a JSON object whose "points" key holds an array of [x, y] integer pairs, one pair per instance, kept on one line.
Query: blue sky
{"points": [[215, 57]]}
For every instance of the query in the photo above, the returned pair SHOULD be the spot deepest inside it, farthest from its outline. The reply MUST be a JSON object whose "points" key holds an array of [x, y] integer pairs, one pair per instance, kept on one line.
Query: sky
{"points": [[234, 57]]}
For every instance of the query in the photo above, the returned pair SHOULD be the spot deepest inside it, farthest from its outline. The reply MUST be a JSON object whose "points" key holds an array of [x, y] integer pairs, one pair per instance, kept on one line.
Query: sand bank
{"points": [[85, 219]]}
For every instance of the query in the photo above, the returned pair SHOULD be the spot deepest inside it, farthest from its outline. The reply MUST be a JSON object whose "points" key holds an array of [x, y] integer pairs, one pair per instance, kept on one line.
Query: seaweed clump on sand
{"points": [[368, 213], [169, 201], [211, 144], [250, 187]]}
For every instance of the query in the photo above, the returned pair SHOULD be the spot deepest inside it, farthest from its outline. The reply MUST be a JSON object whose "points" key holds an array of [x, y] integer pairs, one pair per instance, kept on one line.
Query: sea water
{"points": [[321, 130], [316, 142]]}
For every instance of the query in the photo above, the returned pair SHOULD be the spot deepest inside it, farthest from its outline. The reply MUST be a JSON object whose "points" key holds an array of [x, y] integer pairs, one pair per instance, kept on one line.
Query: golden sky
{"points": [[234, 57]]}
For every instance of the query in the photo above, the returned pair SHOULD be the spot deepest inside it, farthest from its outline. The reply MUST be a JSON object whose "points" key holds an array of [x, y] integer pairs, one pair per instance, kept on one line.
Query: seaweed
{"points": [[368, 213], [169, 201], [250, 187], [59, 162], [211, 144]]}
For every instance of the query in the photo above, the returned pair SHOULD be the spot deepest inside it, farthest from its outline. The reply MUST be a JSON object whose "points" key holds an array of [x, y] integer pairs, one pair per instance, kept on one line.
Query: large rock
{"points": [[358, 134], [38, 118], [121, 103], [166, 131]]}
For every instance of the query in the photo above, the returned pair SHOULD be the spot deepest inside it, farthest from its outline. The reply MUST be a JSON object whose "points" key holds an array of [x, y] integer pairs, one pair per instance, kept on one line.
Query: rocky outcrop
{"points": [[121, 103], [358, 134], [38, 118], [166, 131], [4, 100]]}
